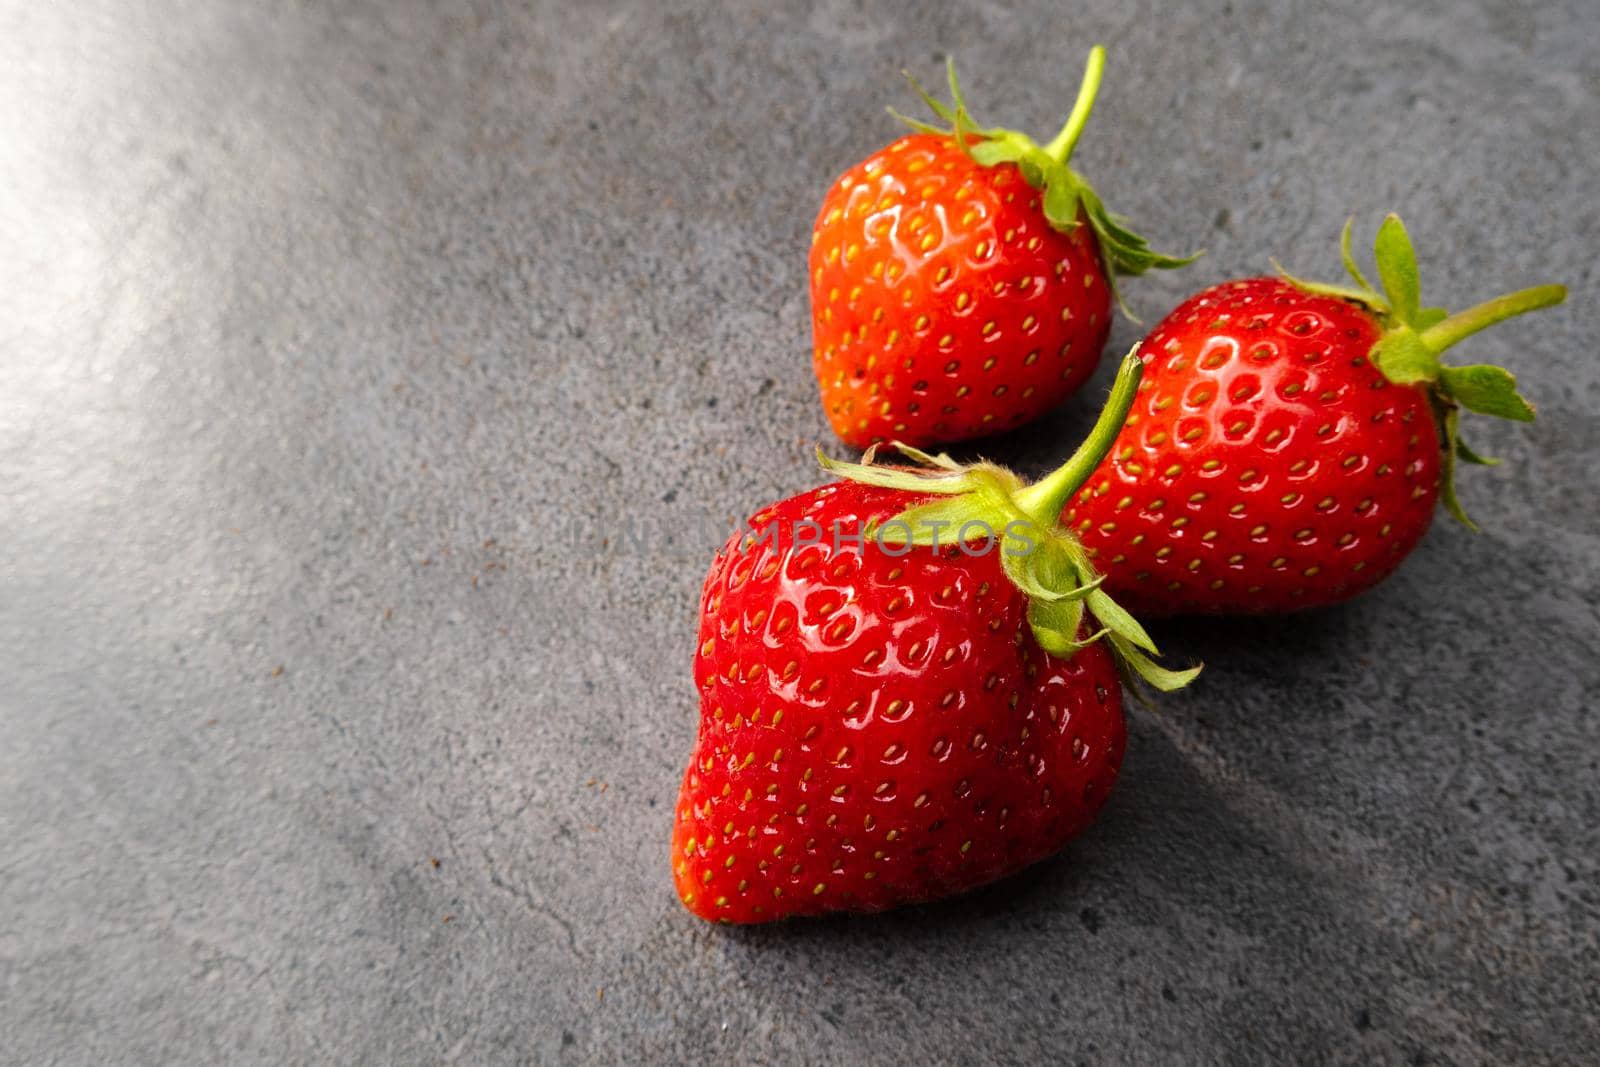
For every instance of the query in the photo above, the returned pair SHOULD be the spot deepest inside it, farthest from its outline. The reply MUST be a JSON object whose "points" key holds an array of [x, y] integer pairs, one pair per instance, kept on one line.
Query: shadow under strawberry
{"points": [[1188, 888]]}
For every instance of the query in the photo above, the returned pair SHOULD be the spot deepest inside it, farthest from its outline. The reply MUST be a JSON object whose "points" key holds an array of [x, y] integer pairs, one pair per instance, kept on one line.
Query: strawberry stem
{"points": [[1464, 324], [1043, 500], [1060, 149]]}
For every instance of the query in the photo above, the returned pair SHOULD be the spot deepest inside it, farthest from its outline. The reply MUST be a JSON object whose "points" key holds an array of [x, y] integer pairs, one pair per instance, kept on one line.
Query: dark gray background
{"points": [[335, 337]]}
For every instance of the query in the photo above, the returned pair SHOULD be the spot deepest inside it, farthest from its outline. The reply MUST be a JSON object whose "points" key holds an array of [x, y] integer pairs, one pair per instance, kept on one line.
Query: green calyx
{"points": [[987, 503], [1415, 337], [1122, 252]]}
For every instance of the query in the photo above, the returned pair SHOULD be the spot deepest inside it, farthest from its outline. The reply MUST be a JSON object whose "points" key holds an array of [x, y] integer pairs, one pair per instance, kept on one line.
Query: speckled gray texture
{"points": [[332, 338]]}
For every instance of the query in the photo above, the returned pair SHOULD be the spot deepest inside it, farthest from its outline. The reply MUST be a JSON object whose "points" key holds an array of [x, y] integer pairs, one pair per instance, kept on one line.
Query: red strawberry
{"points": [[962, 279], [1290, 440], [887, 722]]}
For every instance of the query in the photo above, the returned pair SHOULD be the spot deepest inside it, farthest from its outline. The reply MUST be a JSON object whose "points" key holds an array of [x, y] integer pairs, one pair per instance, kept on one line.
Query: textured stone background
{"points": [[334, 336]]}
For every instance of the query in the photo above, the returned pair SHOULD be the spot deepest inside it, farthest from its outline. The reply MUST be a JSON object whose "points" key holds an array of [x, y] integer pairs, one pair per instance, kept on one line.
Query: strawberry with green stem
{"points": [[1292, 439], [962, 278], [922, 700]]}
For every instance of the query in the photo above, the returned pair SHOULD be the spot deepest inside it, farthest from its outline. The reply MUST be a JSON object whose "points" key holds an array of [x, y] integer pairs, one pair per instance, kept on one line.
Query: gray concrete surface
{"points": [[334, 339]]}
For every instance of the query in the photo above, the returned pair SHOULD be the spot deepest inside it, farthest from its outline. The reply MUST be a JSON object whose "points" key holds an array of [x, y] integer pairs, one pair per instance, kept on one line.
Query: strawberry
{"points": [[962, 279], [1291, 440], [884, 720]]}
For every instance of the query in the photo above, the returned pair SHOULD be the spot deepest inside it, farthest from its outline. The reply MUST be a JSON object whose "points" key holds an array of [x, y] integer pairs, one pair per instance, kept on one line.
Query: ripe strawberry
{"points": [[962, 279], [1290, 440], [888, 721]]}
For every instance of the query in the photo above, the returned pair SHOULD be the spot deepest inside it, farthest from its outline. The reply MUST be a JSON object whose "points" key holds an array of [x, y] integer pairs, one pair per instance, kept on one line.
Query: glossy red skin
{"points": [[944, 305], [877, 731], [1323, 474]]}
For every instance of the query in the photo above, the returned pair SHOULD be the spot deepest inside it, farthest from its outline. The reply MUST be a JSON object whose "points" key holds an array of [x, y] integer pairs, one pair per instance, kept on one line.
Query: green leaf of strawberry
{"points": [[1397, 266], [1486, 390]]}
